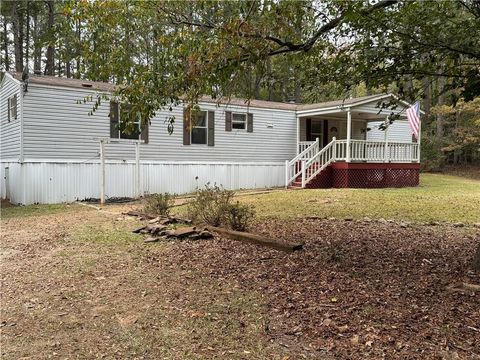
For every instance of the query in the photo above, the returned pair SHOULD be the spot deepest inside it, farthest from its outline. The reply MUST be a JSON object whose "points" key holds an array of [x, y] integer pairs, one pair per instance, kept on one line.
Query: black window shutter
{"points": [[8, 109], [186, 128], [211, 128], [114, 125], [228, 121], [249, 122], [144, 133]]}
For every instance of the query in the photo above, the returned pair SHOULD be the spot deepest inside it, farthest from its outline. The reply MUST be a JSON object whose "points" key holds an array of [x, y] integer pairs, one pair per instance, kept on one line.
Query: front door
{"points": [[315, 129]]}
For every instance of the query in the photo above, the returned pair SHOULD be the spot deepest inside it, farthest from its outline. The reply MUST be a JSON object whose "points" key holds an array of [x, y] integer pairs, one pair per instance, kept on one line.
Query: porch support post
{"points": [[386, 152], [298, 136], [349, 134]]}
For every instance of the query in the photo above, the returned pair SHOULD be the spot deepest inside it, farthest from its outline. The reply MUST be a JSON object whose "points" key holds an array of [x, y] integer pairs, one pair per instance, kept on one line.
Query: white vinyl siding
{"points": [[359, 128], [56, 127], [398, 131], [10, 131]]}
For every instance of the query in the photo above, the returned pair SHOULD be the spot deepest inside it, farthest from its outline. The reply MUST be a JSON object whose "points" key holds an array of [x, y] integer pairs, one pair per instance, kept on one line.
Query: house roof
{"points": [[67, 82], [342, 103], [104, 86], [252, 103]]}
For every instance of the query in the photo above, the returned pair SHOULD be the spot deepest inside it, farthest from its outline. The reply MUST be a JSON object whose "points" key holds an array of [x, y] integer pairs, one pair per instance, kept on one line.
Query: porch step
{"points": [[296, 184], [294, 187]]}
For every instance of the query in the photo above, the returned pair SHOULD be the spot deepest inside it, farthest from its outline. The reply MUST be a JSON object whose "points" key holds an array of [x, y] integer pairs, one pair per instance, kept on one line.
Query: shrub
{"points": [[158, 204], [432, 158], [239, 216], [210, 205]]}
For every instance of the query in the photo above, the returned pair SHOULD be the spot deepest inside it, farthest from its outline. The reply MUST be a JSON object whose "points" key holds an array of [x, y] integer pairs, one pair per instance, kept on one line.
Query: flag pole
{"points": [[419, 132]]}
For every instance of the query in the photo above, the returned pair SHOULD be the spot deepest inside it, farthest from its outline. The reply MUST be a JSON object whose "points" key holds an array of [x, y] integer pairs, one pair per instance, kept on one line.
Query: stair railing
{"points": [[292, 168], [318, 162]]}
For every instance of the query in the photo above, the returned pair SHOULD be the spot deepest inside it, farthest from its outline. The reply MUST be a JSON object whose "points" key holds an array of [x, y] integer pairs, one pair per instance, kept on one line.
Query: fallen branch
{"points": [[258, 240], [462, 286]]}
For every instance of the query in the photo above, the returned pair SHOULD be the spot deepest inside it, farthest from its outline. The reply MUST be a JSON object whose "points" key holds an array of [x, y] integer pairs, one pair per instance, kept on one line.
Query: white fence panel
{"points": [[57, 182]]}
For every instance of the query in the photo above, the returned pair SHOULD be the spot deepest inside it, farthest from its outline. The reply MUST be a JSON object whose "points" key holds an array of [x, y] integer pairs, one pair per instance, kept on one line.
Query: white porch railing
{"points": [[320, 161], [311, 160], [377, 151], [293, 168], [302, 145]]}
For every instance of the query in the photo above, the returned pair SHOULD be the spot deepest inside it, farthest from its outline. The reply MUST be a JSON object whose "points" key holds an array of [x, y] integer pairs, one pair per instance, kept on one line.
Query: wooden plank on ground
{"points": [[258, 239]]}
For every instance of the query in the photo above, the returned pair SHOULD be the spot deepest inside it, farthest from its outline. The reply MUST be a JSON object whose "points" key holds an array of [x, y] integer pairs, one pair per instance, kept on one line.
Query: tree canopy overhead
{"points": [[264, 49], [311, 50], [175, 49]]}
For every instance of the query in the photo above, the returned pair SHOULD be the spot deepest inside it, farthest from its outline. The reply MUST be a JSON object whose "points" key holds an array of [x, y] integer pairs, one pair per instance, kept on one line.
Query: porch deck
{"points": [[354, 163], [374, 146]]}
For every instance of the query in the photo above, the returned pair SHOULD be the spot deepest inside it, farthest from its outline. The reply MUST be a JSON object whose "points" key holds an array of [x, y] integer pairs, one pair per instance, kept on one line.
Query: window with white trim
{"points": [[239, 121], [12, 107], [199, 133]]}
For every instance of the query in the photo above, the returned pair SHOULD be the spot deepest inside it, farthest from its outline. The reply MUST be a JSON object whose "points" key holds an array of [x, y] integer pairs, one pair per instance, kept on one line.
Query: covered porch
{"points": [[352, 131]]}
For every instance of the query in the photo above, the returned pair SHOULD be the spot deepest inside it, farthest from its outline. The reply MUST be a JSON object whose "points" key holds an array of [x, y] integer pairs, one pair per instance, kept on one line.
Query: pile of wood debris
{"points": [[159, 228]]}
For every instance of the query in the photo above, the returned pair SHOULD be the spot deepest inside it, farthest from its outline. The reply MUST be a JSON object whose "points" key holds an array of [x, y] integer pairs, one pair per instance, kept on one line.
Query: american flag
{"points": [[413, 115]]}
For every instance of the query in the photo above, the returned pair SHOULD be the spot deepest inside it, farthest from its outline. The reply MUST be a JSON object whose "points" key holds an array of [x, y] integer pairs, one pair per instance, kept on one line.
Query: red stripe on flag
{"points": [[413, 119]]}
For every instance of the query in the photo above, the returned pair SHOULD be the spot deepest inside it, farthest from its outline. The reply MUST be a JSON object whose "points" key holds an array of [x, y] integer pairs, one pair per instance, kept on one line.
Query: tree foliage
{"points": [[160, 52]]}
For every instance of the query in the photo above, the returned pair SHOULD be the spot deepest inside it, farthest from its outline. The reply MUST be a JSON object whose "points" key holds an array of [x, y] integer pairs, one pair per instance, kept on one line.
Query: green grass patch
{"points": [[106, 234], [439, 197], [38, 210]]}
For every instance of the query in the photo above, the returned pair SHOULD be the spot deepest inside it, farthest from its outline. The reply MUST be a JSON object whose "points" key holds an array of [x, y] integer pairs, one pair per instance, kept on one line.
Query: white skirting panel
{"points": [[57, 182]]}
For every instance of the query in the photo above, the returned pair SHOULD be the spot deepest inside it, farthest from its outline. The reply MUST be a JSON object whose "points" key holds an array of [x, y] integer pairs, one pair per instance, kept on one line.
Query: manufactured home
{"points": [[54, 150]]}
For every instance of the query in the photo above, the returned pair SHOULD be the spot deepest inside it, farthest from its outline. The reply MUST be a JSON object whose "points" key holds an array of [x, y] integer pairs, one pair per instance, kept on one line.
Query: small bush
{"points": [[210, 205], [158, 204], [239, 216]]}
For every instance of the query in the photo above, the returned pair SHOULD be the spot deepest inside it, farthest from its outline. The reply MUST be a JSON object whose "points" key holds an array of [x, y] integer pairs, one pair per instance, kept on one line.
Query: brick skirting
{"points": [[367, 175]]}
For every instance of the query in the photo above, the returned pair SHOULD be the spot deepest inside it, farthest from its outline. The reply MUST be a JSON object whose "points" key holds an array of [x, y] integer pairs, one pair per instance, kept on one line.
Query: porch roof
{"points": [[359, 105]]}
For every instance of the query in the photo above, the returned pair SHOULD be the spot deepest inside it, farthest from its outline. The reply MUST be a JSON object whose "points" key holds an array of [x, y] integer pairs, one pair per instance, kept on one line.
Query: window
{"points": [[199, 134], [239, 121], [316, 128], [12, 108], [128, 129], [125, 125]]}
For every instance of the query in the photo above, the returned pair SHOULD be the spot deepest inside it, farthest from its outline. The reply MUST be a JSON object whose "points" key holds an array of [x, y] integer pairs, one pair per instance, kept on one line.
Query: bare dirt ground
{"points": [[78, 284]]}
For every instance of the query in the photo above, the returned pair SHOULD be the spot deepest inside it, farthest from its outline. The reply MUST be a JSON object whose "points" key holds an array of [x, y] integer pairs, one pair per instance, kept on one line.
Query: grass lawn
{"points": [[90, 288], [35, 210], [442, 198], [77, 283]]}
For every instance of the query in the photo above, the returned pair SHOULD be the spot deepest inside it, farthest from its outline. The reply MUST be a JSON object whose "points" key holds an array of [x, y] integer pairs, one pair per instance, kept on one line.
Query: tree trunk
{"points": [[269, 79], [5, 44], [440, 118], [427, 98], [476, 259], [17, 27], [27, 36], [50, 67], [79, 59], [298, 91], [37, 47]]}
